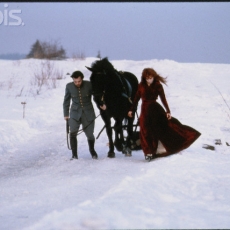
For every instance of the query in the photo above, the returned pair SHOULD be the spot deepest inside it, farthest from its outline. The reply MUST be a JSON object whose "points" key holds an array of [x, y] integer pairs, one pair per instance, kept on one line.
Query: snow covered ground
{"points": [[40, 188]]}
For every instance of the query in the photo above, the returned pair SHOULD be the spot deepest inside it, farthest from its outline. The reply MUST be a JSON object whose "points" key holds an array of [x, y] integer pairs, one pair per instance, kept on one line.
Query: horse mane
{"points": [[102, 65]]}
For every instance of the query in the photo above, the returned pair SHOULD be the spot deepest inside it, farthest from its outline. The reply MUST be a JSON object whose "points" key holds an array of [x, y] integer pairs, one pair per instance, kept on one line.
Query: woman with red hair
{"points": [[156, 124]]}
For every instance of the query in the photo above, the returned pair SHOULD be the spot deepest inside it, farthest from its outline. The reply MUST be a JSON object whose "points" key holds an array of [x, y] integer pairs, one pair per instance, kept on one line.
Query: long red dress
{"points": [[154, 125]]}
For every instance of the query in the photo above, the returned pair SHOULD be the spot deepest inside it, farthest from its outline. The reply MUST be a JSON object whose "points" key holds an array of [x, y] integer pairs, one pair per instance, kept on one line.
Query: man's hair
{"points": [[77, 74]]}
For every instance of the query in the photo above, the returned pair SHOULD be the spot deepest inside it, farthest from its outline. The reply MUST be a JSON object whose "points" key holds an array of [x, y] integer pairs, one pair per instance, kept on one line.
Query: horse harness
{"points": [[122, 80]]}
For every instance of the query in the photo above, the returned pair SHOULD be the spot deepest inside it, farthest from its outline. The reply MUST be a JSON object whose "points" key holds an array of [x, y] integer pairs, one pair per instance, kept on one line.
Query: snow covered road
{"points": [[40, 188]]}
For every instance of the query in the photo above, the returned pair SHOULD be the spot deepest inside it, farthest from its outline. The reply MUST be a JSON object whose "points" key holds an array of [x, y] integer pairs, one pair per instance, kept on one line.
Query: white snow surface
{"points": [[41, 189]]}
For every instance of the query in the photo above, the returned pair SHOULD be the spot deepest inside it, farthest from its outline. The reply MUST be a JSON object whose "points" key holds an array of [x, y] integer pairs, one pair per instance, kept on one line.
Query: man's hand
{"points": [[103, 107], [66, 118]]}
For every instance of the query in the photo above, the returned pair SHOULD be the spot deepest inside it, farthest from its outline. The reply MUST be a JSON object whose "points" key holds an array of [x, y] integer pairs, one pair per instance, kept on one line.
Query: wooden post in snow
{"points": [[24, 105]]}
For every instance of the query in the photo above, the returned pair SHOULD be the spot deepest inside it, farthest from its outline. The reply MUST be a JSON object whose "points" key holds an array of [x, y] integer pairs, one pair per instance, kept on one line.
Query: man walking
{"points": [[81, 112]]}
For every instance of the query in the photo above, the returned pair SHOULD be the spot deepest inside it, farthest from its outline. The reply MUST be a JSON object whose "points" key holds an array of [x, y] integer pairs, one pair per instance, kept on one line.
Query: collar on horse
{"points": [[124, 80]]}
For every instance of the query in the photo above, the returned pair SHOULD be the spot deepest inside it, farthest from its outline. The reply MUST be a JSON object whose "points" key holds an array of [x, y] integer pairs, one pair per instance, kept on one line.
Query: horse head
{"points": [[100, 70], [102, 65]]}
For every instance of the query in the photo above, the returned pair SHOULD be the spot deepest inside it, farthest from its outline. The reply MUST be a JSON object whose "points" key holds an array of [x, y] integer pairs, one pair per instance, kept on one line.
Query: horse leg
{"points": [[128, 150], [109, 131], [119, 137]]}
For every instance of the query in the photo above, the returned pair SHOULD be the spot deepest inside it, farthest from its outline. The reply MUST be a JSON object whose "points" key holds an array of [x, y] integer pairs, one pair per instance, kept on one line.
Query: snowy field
{"points": [[41, 189]]}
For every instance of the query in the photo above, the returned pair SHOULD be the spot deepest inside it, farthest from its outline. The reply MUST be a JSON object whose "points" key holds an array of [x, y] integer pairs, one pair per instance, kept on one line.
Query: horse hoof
{"points": [[127, 151], [124, 151], [111, 154]]}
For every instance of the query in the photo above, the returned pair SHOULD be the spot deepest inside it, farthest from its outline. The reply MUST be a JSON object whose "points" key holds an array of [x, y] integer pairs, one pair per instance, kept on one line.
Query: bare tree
{"points": [[45, 75]]}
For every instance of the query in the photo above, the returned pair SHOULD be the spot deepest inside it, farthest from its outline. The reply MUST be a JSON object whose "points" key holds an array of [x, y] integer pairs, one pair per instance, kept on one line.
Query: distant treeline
{"points": [[12, 56], [47, 50]]}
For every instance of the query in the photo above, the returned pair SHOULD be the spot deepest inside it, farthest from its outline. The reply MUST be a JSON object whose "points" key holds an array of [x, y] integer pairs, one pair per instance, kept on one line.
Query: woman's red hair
{"points": [[150, 71]]}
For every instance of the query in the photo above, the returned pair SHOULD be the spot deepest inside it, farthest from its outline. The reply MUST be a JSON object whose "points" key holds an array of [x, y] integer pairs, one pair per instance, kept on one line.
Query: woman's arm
{"points": [[133, 107], [164, 101]]}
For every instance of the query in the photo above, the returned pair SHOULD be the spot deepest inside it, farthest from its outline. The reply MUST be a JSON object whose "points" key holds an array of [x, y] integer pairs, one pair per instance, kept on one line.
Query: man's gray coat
{"points": [[81, 101]]}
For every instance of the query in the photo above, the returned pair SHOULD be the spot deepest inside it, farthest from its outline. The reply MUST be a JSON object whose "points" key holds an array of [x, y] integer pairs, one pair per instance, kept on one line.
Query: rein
{"points": [[123, 126], [79, 131], [82, 130]]}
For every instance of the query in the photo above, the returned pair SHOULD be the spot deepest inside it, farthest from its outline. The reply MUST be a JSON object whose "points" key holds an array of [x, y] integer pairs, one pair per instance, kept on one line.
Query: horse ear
{"points": [[90, 69]]}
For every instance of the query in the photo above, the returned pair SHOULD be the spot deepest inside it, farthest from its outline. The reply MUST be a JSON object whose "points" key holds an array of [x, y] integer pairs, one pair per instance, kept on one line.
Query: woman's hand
{"points": [[168, 116], [130, 114], [103, 107]]}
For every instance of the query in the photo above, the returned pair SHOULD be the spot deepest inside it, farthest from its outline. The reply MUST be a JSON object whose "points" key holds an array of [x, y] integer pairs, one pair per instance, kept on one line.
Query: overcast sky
{"points": [[182, 31]]}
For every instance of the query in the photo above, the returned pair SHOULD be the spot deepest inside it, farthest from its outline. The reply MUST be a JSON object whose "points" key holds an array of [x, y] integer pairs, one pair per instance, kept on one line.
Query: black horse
{"points": [[115, 90]]}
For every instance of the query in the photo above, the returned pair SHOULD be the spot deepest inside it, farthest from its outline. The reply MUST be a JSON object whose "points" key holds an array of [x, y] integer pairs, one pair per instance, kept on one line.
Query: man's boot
{"points": [[73, 144], [91, 149]]}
